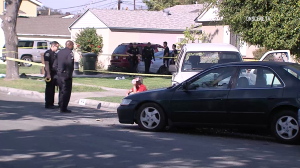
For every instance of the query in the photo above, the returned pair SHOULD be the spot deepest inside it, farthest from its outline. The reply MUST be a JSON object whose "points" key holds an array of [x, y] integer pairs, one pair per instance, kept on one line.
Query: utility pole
{"points": [[119, 4], [133, 4]]}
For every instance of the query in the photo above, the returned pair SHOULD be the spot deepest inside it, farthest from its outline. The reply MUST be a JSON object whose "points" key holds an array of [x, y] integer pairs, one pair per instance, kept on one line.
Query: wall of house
{"points": [[1, 7], [215, 33], [29, 8]]}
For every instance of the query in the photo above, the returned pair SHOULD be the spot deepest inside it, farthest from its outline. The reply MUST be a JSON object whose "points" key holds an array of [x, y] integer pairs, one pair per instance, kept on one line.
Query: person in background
{"points": [[166, 54], [138, 86], [50, 74], [133, 53], [174, 54], [147, 55]]}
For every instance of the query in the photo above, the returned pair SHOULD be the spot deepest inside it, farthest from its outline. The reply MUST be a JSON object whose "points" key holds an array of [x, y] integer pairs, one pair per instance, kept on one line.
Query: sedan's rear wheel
{"points": [[285, 127], [151, 117]]}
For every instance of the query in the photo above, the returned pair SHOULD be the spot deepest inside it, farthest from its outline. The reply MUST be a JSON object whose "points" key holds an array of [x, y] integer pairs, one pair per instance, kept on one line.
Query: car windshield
{"points": [[195, 61], [121, 49], [293, 69]]}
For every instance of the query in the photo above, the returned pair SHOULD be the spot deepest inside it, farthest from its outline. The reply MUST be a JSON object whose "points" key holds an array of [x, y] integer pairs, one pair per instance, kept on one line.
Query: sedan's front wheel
{"points": [[151, 117], [285, 127]]}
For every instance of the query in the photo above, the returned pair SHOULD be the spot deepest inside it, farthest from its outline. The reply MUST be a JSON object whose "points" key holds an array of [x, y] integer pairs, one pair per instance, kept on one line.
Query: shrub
{"points": [[88, 41], [258, 53]]}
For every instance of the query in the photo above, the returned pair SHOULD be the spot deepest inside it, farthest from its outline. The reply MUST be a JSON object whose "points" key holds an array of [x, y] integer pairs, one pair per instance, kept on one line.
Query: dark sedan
{"points": [[260, 94]]}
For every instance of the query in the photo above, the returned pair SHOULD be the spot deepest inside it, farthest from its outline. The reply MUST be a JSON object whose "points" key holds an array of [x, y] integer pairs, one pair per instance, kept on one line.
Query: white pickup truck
{"points": [[31, 50], [278, 56]]}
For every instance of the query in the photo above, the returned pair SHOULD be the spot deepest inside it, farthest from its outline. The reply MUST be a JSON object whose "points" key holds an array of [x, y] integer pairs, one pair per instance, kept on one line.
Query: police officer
{"points": [[133, 53], [166, 54], [65, 68], [50, 74], [147, 55]]}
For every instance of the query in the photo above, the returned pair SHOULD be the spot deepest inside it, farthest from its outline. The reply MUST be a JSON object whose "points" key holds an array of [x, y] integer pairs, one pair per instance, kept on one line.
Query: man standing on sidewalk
{"points": [[50, 72], [147, 55], [65, 60]]}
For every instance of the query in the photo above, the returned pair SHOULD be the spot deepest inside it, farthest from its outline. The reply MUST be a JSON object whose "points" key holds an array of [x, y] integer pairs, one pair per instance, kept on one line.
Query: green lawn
{"points": [[39, 86], [149, 82], [113, 99], [27, 70]]}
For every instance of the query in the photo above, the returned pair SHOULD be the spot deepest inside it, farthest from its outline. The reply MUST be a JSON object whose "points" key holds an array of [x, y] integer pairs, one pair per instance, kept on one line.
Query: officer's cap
{"points": [[149, 43]]}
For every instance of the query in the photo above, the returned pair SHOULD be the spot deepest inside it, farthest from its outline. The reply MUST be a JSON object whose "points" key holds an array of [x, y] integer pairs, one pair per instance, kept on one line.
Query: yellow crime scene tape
{"points": [[107, 72]]}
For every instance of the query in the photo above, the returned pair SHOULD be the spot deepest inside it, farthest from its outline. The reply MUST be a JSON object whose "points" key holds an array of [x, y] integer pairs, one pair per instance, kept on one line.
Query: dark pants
{"points": [[50, 91], [65, 89], [133, 64], [147, 65], [166, 62]]}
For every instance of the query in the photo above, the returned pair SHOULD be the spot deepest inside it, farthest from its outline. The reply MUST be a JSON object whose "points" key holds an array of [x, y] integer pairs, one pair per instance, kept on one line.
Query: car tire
{"points": [[26, 58], [151, 117], [285, 127], [163, 70]]}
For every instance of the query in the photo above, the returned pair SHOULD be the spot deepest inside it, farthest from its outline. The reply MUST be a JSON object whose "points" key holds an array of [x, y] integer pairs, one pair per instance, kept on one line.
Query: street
{"points": [[33, 137]]}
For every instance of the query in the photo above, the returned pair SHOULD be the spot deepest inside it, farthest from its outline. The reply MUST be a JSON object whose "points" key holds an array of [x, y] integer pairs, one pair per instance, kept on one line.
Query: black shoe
{"points": [[65, 111], [50, 107]]}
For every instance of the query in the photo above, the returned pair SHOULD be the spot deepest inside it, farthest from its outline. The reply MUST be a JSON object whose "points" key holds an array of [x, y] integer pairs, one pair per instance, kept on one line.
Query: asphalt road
{"points": [[32, 137]]}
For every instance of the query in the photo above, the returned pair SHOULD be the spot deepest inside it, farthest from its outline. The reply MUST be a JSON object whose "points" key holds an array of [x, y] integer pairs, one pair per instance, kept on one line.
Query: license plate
{"points": [[117, 57]]}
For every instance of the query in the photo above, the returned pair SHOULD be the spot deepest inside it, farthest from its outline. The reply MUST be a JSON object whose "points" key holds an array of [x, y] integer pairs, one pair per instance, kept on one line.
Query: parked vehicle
{"points": [[156, 66], [122, 61], [224, 95], [194, 58], [31, 50], [278, 56]]}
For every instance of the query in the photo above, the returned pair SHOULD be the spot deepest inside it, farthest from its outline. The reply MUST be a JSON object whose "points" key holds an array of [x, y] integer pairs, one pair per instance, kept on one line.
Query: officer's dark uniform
{"points": [[166, 60], [148, 54], [133, 60], [50, 56], [65, 68]]}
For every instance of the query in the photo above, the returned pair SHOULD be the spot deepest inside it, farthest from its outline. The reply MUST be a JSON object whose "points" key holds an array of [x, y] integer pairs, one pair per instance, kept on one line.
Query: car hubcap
{"points": [[27, 59], [150, 118], [287, 127]]}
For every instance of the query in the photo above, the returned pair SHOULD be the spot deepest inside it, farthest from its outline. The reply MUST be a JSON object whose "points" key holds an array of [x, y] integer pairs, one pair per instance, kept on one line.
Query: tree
{"points": [[11, 40], [45, 11], [270, 24], [192, 34], [157, 5]]}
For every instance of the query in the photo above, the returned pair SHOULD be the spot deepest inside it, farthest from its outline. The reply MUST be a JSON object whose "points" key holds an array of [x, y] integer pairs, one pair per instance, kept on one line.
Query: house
{"points": [[124, 26], [49, 28], [28, 8], [219, 33]]}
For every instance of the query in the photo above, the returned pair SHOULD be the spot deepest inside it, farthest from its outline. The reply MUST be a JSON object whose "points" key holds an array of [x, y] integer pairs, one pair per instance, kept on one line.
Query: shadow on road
{"points": [[31, 136]]}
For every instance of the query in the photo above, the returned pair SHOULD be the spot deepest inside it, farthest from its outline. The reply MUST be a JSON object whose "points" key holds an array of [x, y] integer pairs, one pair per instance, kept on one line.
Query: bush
{"points": [[258, 53], [88, 41]]}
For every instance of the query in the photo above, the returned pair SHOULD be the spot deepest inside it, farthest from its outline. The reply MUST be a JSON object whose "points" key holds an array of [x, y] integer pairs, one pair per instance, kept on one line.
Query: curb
{"points": [[37, 95], [22, 93], [97, 104]]}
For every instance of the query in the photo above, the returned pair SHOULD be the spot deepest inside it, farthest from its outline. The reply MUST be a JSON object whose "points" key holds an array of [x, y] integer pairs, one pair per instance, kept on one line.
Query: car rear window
{"points": [[195, 61], [293, 69], [121, 49]]}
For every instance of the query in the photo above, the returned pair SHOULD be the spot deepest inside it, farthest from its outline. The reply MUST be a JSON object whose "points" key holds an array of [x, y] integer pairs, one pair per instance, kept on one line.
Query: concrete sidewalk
{"points": [[75, 96]]}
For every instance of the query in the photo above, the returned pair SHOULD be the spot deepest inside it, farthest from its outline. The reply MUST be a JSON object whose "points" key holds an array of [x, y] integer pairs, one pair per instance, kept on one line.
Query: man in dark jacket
{"points": [[65, 60], [147, 55], [50, 74]]}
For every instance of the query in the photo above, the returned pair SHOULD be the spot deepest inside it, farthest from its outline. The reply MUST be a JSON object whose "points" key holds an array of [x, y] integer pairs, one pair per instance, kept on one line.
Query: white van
{"points": [[194, 58]]}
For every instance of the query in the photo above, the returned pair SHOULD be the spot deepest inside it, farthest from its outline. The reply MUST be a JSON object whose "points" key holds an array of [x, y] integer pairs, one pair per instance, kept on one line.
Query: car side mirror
{"points": [[185, 86], [172, 68]]}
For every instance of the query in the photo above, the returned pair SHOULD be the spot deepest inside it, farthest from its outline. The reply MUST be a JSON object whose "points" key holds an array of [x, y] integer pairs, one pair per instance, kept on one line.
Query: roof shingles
{"points": [[182, 16]]}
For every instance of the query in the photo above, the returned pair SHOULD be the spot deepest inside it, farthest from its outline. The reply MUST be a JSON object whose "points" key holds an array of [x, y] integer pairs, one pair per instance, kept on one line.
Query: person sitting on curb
{"points": [[137, 86]]}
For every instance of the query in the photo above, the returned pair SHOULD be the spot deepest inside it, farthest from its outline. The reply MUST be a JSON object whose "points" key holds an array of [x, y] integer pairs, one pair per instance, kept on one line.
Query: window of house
{"points": [[257, 78]]}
